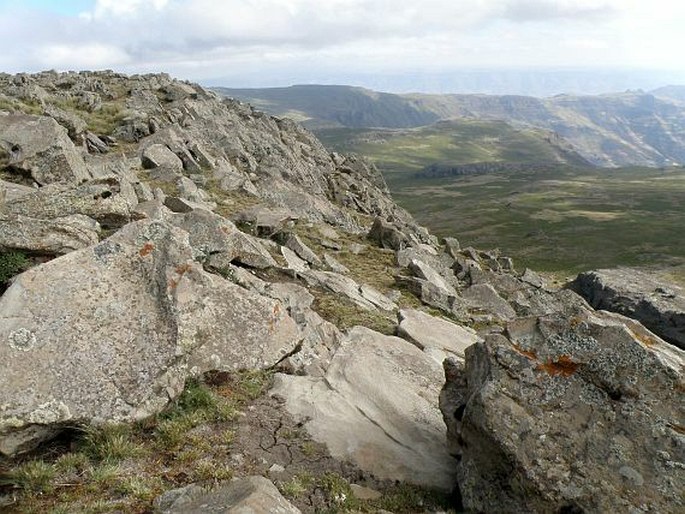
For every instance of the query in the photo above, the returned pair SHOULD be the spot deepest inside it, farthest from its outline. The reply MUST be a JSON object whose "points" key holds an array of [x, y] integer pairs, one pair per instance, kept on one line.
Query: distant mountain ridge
{"points": [[622, 129]]}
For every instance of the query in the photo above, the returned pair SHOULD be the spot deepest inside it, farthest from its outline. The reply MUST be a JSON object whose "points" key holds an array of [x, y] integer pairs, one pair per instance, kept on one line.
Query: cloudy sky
{"points": [[277, 42]]}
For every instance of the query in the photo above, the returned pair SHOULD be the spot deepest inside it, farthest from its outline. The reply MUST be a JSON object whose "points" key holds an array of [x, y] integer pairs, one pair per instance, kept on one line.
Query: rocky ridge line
{"points": [[173, 233]]}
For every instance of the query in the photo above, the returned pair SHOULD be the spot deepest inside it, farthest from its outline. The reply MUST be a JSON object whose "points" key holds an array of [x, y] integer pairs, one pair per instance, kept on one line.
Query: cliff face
{"points": [[153, 235]]}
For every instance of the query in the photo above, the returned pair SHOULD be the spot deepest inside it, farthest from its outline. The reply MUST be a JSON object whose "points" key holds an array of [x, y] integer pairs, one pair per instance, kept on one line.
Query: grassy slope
{"points": [[564, 220], [401, 152]]}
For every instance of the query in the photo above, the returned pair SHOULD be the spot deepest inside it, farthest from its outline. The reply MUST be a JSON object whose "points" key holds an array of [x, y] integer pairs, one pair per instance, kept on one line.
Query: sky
{"points": [[280, 42]]}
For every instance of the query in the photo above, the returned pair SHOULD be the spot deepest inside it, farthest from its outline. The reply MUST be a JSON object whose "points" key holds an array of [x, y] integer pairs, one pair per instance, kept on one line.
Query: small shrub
{"points": [[12, 263]]}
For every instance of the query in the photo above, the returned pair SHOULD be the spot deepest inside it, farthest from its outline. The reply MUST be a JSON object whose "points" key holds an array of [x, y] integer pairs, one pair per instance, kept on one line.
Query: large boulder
{"points": [[110, 333], [249, 495], [376, 406], [640, 295], [159, 155], [39, 147], [575, 412]]}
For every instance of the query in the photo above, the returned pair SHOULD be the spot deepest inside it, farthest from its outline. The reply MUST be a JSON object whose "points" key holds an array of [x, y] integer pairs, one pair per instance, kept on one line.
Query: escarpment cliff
{"points": [[202, 292]]}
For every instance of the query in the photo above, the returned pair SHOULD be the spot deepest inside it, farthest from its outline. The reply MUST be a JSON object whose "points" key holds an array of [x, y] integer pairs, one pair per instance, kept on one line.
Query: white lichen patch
{"points": [[22, 339], [49, 412]]}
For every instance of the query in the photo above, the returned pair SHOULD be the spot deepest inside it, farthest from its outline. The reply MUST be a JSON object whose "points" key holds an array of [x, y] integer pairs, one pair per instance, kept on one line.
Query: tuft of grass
{"points": [[110, 443], [298, 485], [35, 477]]}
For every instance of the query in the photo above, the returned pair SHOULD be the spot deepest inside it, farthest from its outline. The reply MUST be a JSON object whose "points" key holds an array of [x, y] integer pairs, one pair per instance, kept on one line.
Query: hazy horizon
{"points": [[529, 82], [487, 46]]}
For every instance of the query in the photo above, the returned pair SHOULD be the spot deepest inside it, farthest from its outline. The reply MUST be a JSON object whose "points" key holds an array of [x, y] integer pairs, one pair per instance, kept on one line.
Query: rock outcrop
{"points": [[569, 413], [169, 233], [111, 332], [640, 295], [249, 495]]}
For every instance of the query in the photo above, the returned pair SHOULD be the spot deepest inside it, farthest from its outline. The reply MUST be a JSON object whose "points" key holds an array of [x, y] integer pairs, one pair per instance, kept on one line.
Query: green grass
{"points": [[561, 220], [124, 467], [12, 263], [401, 152]]}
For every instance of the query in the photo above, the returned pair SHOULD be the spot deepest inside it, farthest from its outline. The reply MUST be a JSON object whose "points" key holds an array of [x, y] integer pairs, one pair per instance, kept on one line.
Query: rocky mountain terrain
{"points": [[611, 130], [201, 308]]}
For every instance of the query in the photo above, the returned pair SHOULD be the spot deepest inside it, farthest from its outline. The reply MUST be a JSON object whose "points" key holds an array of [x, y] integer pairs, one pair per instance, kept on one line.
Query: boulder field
{"points": [[153, 234]]}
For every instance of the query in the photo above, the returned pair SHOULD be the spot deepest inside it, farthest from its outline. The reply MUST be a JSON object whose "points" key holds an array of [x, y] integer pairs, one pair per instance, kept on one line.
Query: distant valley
{"points": [[562, 183], [622, 129]]}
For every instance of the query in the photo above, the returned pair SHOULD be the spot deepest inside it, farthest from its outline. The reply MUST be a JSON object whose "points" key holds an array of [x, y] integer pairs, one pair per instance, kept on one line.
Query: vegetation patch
{"points": [[345, 314], [12, 263], [124, 467]]}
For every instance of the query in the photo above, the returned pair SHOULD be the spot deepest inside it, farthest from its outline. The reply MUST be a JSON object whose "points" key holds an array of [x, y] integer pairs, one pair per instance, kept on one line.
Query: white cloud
{"points": [[204, 38], [82, 56]]}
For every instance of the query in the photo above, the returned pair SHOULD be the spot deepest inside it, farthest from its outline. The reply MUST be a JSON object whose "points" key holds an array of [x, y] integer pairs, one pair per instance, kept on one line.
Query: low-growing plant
{"points": [[34, 476], [12, 263]]}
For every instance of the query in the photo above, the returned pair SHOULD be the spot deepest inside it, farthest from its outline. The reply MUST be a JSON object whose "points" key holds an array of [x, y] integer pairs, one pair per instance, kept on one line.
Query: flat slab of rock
{"points": [[486, 298], [51, 237], [365, 296], [249, 495], [640, 295], [576, 412], [108, 201], [377, 406], [437, 337], [159, 155], [111, 332]]}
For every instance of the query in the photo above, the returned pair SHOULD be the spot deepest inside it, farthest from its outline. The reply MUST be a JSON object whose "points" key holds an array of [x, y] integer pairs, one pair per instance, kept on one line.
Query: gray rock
{"points": [[74, 124], [364, 296], [376, 406], [425, 272], [302, 250], [334, 265], [387, 235], [110, 333], [640, 295], [575, 412], [318, 337], [40, 147], [108, 201], [219, 243], [9, 191], [249, 495], [293, 261], [48, 237], [159, 155], [532, 278], [263, 221], [437, 337], [452, 247], [486, 298]]}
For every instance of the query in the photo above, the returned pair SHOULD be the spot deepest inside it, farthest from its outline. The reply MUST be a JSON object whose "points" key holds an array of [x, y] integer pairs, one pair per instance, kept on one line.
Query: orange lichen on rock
{"points": [[183, 269], [564, 367], [526, 353], [146, 249], [644, 338]]}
